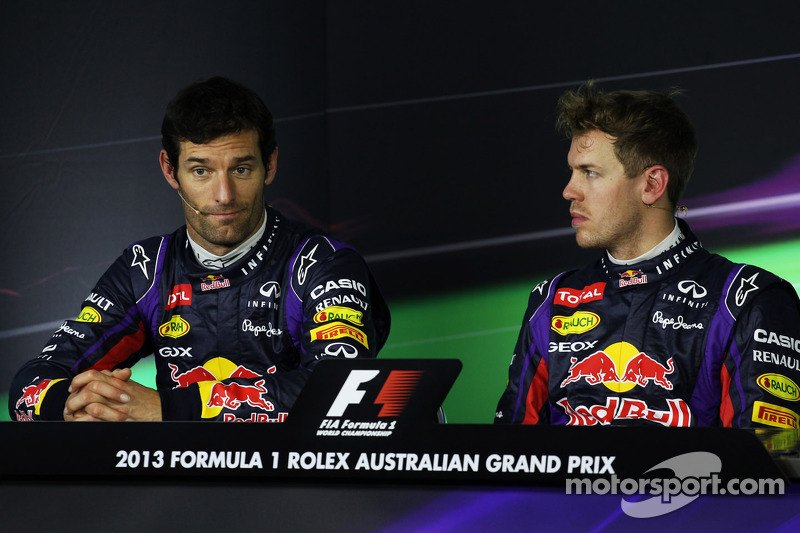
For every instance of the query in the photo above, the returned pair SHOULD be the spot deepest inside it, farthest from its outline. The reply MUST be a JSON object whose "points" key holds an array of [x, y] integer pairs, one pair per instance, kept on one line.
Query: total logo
{"points": [[632, 277], [180, 295], [580, 322], [572, 297], [604, 367]]}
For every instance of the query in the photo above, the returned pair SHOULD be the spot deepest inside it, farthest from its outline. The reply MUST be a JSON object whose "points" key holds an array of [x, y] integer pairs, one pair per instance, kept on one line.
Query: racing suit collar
{"points": [[666, 263]]}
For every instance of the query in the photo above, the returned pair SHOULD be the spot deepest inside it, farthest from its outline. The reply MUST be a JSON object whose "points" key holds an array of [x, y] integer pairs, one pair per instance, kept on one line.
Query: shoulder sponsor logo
{"points": [[212, 282], [768, 337], [688, 286], [632, 277], [674, 323], [140, 259], [341, 349], [89, 314], [774, 415], [779, 386], [176, 327], [337, 330], [176, 351], [339, 313], [331, 285], [604, 367], [580, 322], [180, 295], [574, 297], [306, 262], [746, 286], [540, 287], [270, 289], [100, 301]]}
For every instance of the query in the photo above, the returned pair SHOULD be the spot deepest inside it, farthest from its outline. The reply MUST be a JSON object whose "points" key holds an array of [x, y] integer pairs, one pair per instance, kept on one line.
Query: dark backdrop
{"points": [[421, 132]]}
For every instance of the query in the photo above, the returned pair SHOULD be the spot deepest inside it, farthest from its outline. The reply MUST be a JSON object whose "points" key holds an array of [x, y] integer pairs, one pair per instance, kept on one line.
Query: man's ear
{"points": [[272, 166], [655, 186], [168, 170]]}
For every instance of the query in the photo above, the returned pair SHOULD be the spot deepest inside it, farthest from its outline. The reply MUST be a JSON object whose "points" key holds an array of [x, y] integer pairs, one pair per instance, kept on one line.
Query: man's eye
{"points": [[199, 172], [242, 171], [591, 174]]}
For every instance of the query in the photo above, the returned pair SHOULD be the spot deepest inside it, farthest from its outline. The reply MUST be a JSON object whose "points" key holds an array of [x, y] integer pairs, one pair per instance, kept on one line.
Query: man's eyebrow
{"points": [[244, 159], [200, 160]]}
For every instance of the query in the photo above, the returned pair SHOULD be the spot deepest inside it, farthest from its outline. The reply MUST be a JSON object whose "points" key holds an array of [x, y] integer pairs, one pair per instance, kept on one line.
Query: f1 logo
{"points": [[350, 394], [394, 394]]}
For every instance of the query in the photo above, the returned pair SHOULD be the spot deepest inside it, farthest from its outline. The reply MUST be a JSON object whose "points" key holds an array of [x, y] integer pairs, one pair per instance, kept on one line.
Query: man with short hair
{"points": [[237, 306], [658, 330]]}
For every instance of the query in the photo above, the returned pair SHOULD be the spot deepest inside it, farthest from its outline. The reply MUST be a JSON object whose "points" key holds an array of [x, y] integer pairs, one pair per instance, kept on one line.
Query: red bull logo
{"points": [[212, 282], [233, 395], [677, 414], [632, 277], [32, 395], [603, 367]]}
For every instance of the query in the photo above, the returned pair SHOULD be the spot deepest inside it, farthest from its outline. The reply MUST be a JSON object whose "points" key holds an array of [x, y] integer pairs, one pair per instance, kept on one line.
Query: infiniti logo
{"points": [[271, 289], [688, 285], [339, 349]]}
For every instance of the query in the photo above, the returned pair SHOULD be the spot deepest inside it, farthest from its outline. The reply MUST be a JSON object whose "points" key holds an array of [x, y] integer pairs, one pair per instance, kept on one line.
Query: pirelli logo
{"points": [[337, 330], [774, 415]]}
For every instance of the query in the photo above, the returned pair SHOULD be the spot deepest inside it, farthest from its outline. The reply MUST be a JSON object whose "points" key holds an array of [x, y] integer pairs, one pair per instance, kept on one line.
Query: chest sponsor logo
{"points": [[214, 282], [674, 322], [215, 369], [89, 314], [580, 322], [746, 286], [692, 288], [574, 297], [779, 386], [176, 351], [270, 289], [339, 313], [180, 295], [176, 327], [774, 415], [569, 347], [268, 331], [677, 414], [100, 301], [337, 330], [620, 367], [632, 277]]}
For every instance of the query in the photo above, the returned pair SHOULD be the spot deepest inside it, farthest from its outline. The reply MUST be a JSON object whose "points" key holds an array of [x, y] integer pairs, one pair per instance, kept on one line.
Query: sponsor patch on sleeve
{"points": [[774, 415], [339, 313], [337, 330], [89, 314]]}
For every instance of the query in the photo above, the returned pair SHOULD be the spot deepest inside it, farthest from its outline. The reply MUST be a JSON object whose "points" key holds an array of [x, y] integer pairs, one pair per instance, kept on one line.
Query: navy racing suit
{"points": [[235, 344], [684, 339]]}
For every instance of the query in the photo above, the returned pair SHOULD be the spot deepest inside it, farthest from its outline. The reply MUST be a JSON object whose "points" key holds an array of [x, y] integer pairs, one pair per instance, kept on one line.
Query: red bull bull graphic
{"points": [[32, 396], [215, 369], [603, 367], [233, 395]]}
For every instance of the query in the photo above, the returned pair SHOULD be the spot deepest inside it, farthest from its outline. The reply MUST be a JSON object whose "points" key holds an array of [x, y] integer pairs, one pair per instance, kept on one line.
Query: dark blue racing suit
{"points": [[235, 344], [684, 339]]}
